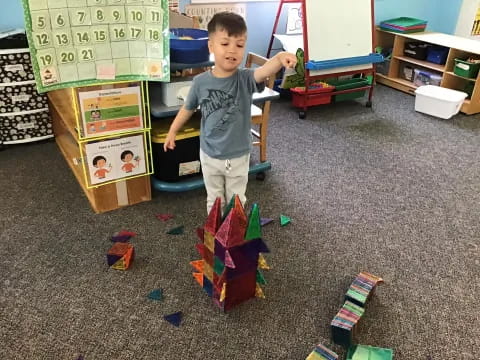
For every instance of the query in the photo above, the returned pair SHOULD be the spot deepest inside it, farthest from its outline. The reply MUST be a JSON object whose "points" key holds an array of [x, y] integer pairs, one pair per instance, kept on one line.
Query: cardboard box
{"points": [[178, 20]]}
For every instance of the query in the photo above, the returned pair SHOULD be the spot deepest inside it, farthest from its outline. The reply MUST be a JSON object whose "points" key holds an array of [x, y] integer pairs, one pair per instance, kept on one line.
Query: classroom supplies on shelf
{"points": [[230, 248], [404, 25], [321, 352], [467, 67]]}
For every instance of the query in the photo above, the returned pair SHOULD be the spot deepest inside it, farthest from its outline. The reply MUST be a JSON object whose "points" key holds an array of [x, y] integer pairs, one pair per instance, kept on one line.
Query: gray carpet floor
{"points": [[386, 190]]}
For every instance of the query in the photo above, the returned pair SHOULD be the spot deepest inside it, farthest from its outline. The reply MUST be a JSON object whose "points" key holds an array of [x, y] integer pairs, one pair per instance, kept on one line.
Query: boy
{"points": [[225, 97]]}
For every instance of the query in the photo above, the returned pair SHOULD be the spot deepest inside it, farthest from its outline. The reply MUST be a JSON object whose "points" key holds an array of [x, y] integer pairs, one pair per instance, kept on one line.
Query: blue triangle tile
{"points": [[174, 319]]}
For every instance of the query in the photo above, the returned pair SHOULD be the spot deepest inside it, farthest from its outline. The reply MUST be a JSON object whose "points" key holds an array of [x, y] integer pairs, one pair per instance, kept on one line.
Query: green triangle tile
{"points": [[229, 207], [254, 230], [260, 279], [176, 231], [156, 294], [218, 266], [284, 220]]}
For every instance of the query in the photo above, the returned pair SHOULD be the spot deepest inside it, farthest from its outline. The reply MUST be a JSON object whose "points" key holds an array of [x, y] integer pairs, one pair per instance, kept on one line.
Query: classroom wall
{"points": [[442, 16]]}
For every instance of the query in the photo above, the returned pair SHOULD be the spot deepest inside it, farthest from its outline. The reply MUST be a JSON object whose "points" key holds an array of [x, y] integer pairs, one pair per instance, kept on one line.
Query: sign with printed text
{"points": [[115, 159], [84, 42], [111, 111], [205, 12]]}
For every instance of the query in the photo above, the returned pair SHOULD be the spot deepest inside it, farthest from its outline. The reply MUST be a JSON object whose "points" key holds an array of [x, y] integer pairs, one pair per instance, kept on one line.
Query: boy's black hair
{"points": [[96, 159], [232, 23], [125, 153]]}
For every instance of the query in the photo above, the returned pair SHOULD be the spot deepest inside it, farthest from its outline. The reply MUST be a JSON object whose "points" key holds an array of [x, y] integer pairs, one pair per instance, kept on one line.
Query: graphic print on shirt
{"points": [[218, 100]]}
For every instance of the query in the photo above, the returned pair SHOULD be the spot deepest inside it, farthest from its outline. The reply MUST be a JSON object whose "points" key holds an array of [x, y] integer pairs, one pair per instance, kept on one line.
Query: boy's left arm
{"points": [[273, 65]]}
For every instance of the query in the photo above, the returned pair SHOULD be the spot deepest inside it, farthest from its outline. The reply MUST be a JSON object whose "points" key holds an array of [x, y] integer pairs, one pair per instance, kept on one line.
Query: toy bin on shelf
{"points": [[346, 84], [424, 77], [184, 161], [438, 101], [466, 69], [437, 54], [416, 50], [188, 46], [315, 96]]}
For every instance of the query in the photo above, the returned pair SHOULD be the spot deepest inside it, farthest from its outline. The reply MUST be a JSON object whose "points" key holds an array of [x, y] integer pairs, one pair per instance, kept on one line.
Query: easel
{"points": [[358, 64]]}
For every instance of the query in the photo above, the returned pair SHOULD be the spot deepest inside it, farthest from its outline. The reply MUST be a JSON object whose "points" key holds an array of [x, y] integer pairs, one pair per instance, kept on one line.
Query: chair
{"points": [[260, 112]]}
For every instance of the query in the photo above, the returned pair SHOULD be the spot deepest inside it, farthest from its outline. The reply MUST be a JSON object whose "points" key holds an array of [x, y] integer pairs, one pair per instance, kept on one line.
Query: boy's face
{"points": [[128, 158], [101, 163], [228, 50]]}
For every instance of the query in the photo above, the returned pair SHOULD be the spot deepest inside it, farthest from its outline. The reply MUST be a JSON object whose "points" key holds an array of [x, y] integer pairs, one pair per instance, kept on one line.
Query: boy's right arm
{"points": [[181, 118]]}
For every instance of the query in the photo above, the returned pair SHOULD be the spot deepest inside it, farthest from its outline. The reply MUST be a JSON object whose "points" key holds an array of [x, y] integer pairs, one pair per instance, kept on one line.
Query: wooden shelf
{"points": [[457, 48], [425, 64], [102, 197], [461, 77]]}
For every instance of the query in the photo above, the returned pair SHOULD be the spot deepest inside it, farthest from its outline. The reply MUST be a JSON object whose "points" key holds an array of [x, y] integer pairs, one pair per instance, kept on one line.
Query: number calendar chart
{"points": [[84, 42]]}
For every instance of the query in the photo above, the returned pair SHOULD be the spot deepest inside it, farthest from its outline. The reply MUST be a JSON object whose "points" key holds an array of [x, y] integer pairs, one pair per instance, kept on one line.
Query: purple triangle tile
{"points": [[265, 221]]}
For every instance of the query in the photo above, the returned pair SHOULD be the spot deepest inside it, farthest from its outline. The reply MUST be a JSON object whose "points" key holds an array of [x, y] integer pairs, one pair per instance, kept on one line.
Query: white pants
{"points": [[225, 178]]}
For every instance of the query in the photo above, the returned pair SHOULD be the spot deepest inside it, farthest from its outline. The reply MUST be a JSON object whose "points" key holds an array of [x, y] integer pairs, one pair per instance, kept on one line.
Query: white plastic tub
{"points": [[438, 101]]}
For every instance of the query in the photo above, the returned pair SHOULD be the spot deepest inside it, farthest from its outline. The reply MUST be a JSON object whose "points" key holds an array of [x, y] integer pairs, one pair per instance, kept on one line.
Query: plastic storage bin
{"points": [[406, 71], [437, 54], [170, 92], [466, 69], [346, 85], [191, 51], [438, 101], [423, 77], [416, 50], [182, 162], [317, 96]]}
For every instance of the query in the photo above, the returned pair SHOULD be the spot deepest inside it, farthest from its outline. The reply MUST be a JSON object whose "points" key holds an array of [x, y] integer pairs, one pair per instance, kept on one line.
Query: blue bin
{"points": [[437, 54], [189, 51]]}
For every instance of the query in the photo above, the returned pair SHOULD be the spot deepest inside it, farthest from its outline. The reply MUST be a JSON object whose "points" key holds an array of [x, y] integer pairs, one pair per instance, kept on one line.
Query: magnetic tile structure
{"points": [[120, 255], [321, 352], [231, 264]]}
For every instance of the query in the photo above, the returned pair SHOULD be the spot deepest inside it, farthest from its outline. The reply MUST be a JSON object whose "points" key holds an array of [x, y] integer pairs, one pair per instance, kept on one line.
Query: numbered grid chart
{"points": [[81, 40]]}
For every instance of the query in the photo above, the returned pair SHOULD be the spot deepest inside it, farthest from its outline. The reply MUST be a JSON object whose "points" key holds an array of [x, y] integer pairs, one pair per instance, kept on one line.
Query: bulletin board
{"points": [[85, 42], [343, 29]]}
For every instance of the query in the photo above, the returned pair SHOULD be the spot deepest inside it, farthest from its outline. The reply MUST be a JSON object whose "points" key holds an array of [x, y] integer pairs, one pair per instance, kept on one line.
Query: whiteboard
{"points": [[338, 29]]}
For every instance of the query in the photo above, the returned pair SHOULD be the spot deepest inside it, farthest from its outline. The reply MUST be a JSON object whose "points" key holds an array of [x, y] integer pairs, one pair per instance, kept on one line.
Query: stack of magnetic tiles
{"points": [[343, 325], [231, 248], [322, 353]]}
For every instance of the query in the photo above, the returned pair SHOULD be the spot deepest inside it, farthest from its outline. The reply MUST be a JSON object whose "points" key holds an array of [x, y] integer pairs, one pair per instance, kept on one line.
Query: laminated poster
{"points": [[111, 111], [115, 159], [85, 42]]}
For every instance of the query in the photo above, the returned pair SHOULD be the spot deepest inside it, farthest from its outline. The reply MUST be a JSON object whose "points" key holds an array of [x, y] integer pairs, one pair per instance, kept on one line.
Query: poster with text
{"points": [[115, 159], [84, 42], [205, 12], [111, 111]]}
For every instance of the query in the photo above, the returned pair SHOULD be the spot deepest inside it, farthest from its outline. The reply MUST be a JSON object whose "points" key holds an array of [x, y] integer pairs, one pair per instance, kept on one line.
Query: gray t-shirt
{"points": [[225, 104]]}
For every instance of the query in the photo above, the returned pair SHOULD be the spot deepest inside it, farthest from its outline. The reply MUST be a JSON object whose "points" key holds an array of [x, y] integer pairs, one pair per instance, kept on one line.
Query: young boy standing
{"points": [[225, 97]]}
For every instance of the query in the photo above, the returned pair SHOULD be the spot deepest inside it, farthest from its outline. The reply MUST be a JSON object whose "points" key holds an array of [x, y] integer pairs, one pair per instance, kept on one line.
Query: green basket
{"points": [[466, 69], [349, 84]]}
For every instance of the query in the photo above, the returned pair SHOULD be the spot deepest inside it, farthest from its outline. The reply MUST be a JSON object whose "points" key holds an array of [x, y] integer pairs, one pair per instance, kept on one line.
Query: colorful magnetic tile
{"points": [[200, 233], [208, 257], [207, 286], [240, 289], [198, 277], [218, 266], [156, 294], [361, 352], [260, 278], [197, 265], [174, 319], [120, 255], [208, 271], [214, 218], [284, 220], [265, 221], [164, 217], [232, 231], [262, 263], [329, 354], [229, 260], [176, 230], [209, 240], [254, 230]]}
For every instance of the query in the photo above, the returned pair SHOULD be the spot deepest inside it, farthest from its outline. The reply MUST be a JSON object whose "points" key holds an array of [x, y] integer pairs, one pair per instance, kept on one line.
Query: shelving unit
{"points": [[103, 197], [458, 48]]}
